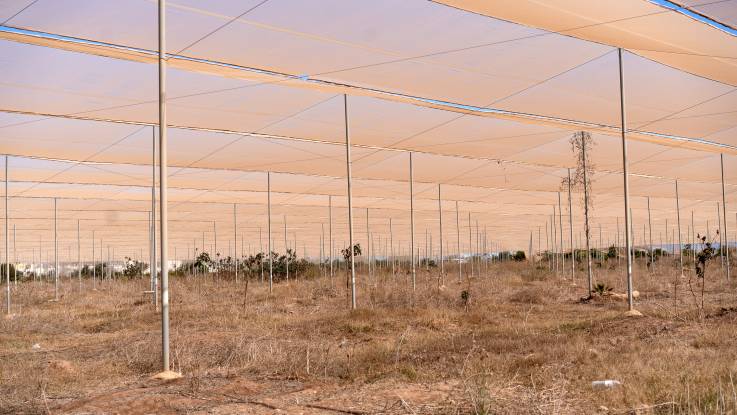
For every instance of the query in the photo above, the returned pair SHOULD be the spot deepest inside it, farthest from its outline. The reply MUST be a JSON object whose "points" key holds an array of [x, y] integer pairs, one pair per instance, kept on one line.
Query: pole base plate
{"points": [[167, 375], [632, 313]]}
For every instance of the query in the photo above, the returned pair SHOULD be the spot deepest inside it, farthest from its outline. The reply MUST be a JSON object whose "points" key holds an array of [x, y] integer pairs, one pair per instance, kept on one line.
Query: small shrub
{"points": [[601, 289]]}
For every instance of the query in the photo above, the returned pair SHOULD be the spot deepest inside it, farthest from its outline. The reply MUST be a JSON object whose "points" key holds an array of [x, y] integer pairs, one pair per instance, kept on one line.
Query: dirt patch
{"points": [[62, 366]]}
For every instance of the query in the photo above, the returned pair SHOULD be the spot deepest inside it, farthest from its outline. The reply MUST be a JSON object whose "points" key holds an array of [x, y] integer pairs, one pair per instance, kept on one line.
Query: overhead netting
{"points": [[486, 106]]}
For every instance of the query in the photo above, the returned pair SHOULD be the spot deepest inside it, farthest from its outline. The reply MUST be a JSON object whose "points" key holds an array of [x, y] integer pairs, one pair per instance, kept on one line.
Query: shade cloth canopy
{"points": [[486, 95]]}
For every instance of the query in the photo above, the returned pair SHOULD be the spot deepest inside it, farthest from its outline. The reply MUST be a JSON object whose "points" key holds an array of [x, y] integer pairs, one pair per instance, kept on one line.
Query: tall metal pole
{"points": [[7, 255], [412, 223], [153, 268], [286, 247], [79, 258], [486, 253], [268, 245], [470, 244], [94, 264], [322, 248], [560, 229], [601, 243], [724, 212], [693, 239], [163, 183], [570, 224], [547, 245], [56, 256], [627, 218], [350, 203], [650, 230], [391, 248], [427, 253], [678, 218], [235, 240], [721, 235], [441, 280], [15, 259], [554, 236], [680, 250], [431, 250], [368, 243], [458, 242], [330, 233], [478, 250], [632, 235]]}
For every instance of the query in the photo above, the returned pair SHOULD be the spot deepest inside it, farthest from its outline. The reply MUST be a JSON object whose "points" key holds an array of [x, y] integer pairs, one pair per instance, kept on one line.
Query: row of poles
{"points": [[556, 235], [162, 292]]}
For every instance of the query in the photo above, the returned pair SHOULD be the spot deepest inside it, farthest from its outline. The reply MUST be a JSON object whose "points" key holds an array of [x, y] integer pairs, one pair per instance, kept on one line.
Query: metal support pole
{"points": [[650, 230], [721, 235], [427, 253], [56, 256], [486, 254], [478, 250], [94, 264], [539, 240], [286, 247], [268, 244], [554, 240], [627, 218], [441, 280], [15, 259], [79, 258], [235, 240], [412, 223], [432, 251], [391, 248], [570, 224], [368, 244], [322, 248], [153, 268], [330, 233], [547, 245], [163, 186], [678, 218], [560, 233], [632, 235], [7, 262], [693, 239], [724, 212], [373, 252], [601, 243], [470, 244], [458, 242], [350, 203]]}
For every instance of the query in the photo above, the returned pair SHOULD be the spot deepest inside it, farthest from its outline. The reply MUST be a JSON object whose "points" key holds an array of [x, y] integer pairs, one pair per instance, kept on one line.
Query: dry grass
{"points": [[526, 344]]}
